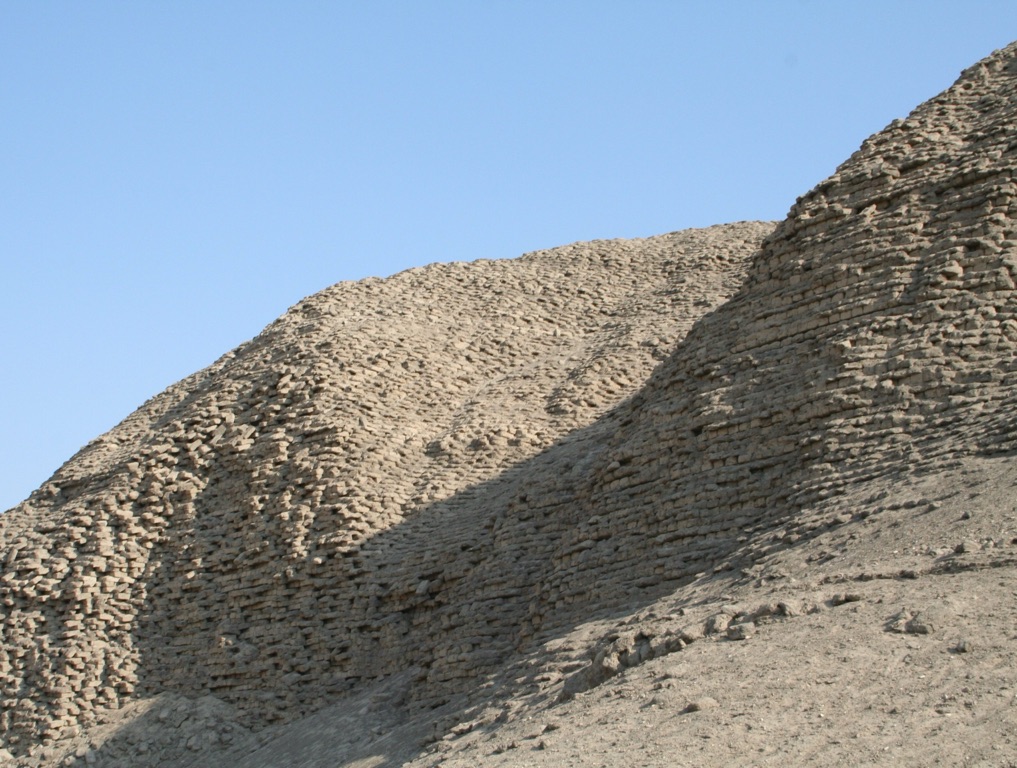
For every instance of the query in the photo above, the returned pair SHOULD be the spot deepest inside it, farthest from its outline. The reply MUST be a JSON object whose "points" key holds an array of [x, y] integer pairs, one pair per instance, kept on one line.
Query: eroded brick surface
{"points": [[424, 475]]}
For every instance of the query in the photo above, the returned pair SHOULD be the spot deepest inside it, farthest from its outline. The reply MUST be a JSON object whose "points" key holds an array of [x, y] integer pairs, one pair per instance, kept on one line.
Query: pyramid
{"points": [[442, 502]]}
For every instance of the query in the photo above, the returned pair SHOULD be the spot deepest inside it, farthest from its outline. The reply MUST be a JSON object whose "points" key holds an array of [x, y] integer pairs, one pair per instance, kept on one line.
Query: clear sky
{"points": [[174, 175]]}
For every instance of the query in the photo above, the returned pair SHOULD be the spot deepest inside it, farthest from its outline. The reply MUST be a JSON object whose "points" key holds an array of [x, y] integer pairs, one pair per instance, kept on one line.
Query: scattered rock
{"points": [[919, 625], [962, 646], [718, 623], [700, 704], [910, 622], [741, 631], [845, 597]]}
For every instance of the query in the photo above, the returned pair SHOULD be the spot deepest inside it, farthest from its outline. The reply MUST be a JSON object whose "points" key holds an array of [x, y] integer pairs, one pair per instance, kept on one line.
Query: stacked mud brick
{"points": [[427, 474], [876, 333], [240, 534]]}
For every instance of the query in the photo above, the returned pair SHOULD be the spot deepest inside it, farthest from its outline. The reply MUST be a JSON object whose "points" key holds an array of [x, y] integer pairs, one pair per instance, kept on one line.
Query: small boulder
{"points": [[704, 702], [718, 623], [741, 631]]}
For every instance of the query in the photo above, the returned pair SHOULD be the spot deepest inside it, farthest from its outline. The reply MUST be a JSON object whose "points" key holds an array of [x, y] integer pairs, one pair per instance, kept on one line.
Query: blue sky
{"points": [[174, 175]]}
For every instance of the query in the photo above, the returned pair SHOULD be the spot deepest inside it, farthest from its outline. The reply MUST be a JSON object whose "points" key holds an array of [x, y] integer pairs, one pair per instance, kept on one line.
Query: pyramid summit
{"points": [[743, 493]]}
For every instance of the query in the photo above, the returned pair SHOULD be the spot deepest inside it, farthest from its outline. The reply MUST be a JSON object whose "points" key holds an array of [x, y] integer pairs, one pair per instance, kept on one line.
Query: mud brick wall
{"points": [[877, 319], [428, 473], [242, 533]]}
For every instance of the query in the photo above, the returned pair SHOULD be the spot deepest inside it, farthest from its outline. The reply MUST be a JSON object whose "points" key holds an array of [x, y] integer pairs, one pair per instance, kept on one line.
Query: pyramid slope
{"points": [[841, 432], [875, 336], [243, 534], [364, 565]]}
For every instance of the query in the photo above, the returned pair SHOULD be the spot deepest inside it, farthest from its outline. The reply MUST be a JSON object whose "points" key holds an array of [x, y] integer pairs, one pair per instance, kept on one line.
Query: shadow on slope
{"points": [[875, 339], [388, 641], [449, 592]]}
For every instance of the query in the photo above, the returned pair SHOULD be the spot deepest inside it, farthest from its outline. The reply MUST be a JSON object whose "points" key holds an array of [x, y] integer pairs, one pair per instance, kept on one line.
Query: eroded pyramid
{"points": [[413, 490]]}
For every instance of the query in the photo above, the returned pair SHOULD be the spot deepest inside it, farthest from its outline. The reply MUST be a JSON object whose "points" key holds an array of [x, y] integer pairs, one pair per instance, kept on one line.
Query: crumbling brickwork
{"points": [[425, 474]]}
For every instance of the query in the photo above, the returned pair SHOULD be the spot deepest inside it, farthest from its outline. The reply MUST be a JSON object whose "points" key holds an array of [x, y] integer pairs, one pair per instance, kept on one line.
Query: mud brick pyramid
{"points": [[424, 501]]}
